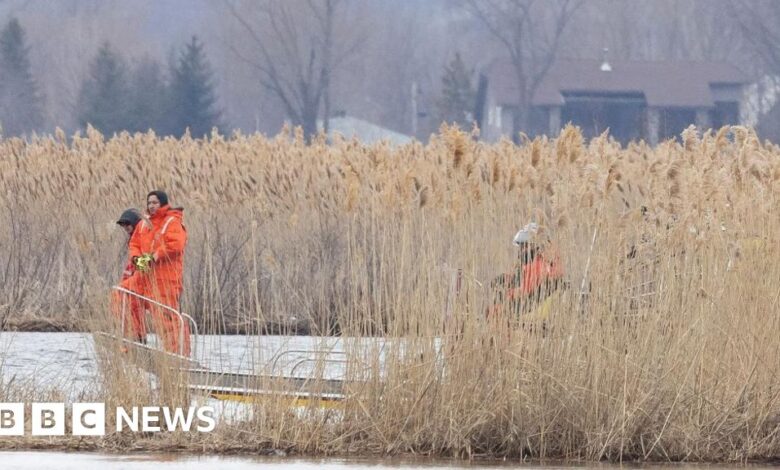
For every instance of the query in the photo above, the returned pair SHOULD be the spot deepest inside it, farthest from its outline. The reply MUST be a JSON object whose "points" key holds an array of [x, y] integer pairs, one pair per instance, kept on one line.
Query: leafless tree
{"points": [[759, 21], [296, 48], [531, 33], [712, 33], [409, 46], [64, 36]]}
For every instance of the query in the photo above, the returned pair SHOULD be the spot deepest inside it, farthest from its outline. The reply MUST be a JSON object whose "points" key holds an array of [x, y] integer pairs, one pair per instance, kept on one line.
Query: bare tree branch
{"points": [[530, 38], [298, 46], [758, 23]]}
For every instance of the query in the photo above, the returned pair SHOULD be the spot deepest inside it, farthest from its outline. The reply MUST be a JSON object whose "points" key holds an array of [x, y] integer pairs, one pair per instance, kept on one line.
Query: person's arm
{"points": [[129, 270], [173, 241], [134, 245]]}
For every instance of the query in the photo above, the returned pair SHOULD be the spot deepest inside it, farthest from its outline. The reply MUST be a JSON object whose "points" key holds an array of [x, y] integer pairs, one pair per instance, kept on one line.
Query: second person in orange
{"points": [[155, 271]]}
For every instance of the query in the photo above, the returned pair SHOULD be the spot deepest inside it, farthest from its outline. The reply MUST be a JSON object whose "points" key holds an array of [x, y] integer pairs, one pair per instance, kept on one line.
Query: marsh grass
{"points": [[664, 347]]}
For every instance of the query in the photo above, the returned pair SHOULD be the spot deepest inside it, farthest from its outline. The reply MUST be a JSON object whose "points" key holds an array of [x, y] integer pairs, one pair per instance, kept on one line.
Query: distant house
{"points": [[635, 100], [364, 131]]}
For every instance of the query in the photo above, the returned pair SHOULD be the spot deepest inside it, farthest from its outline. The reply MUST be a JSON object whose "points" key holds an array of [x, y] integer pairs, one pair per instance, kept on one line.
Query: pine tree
{"points": [[457, 102], [20, 102], [192, 96], [148, 98], [104, 98]]}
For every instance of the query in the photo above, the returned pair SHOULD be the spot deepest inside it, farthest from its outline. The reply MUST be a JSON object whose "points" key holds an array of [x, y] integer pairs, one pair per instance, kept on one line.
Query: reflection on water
{"points": [[73, 461]]}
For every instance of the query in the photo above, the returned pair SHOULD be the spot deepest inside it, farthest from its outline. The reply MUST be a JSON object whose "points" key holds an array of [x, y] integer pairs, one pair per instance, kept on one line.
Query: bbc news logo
{"points": [[89, 419]]}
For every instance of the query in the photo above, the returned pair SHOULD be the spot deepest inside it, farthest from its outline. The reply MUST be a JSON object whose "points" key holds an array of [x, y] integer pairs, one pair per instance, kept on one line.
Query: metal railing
{"points": [[315, 361], [305, 356], [181, 316]]}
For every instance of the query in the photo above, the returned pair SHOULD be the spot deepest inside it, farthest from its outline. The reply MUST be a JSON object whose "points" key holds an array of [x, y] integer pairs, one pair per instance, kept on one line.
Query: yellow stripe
{"points": [[291, 402]]}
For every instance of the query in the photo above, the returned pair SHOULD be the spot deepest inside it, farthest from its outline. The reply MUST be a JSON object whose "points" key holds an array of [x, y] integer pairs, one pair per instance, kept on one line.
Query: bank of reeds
{"points": [[663, 347]]}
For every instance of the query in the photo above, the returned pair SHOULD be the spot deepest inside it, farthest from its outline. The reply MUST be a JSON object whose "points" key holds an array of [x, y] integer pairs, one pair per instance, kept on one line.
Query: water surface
{"points": [[82, 461]]}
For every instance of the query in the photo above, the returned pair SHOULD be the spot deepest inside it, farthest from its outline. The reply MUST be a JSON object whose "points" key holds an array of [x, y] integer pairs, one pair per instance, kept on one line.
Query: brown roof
{"points": [[664, 84]]}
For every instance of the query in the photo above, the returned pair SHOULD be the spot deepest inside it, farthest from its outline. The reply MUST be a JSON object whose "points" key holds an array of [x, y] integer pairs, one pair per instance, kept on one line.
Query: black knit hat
{"points": [[129, 217], [161, 196]]}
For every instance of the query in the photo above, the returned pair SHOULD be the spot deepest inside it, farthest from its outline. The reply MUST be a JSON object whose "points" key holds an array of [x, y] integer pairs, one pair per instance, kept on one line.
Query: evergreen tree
{"points": [[20, 102], [104, 98], [192, 97], [457, 102], [148, 98]]}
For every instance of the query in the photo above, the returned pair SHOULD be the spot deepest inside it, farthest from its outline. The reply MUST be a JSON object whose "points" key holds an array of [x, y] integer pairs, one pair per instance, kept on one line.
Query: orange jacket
{"points": [[141, 239], [168, 240], [529, 278], [538, 272], [140, 242]]}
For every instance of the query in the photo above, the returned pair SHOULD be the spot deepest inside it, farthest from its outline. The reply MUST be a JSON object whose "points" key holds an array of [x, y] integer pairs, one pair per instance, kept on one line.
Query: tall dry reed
{"points": [[663, 347]]}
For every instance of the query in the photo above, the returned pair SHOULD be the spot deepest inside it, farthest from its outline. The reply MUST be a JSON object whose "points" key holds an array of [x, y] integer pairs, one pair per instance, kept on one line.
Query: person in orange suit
{"points": [[126, 307], [168, 241], [537, 274]]}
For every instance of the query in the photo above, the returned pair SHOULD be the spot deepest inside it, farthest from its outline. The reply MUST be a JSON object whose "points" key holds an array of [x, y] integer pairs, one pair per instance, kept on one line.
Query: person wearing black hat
{"points": [[128, 221], [127, 307]]}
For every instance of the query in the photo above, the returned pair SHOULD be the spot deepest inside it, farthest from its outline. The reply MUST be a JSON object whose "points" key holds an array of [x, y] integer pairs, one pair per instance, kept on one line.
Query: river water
{"points": [[81, 461], [84, 461]]}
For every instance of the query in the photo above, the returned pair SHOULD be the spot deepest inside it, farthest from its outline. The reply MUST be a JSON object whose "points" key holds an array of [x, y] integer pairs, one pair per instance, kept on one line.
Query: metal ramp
{"points": [[143, 355], [289, 385]]}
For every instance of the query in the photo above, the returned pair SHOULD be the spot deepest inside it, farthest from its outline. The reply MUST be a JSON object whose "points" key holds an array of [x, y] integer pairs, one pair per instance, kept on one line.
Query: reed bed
{"points": [[344, 238]]}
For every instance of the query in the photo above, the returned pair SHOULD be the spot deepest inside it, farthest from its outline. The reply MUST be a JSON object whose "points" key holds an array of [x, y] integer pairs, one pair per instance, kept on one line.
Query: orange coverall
{"points": [[165, 238], [127, 306], [164, 281]]}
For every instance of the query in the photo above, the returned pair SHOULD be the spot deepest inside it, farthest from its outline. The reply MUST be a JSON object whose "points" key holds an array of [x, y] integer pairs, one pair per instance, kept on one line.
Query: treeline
{"points": [[116, 94]]}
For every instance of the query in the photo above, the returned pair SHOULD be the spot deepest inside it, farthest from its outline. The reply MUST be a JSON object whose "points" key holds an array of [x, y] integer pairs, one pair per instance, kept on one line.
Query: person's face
{"points": [[127, 228], [152, 204]]}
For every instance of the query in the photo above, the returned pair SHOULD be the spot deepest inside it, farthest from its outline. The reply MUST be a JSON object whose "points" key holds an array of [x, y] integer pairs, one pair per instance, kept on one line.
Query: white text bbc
{"points": [[89, 419]]}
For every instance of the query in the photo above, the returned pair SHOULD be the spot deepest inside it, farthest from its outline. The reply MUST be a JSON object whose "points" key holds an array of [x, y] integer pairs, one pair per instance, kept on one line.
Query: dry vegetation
{"points": [[363, 240]]}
